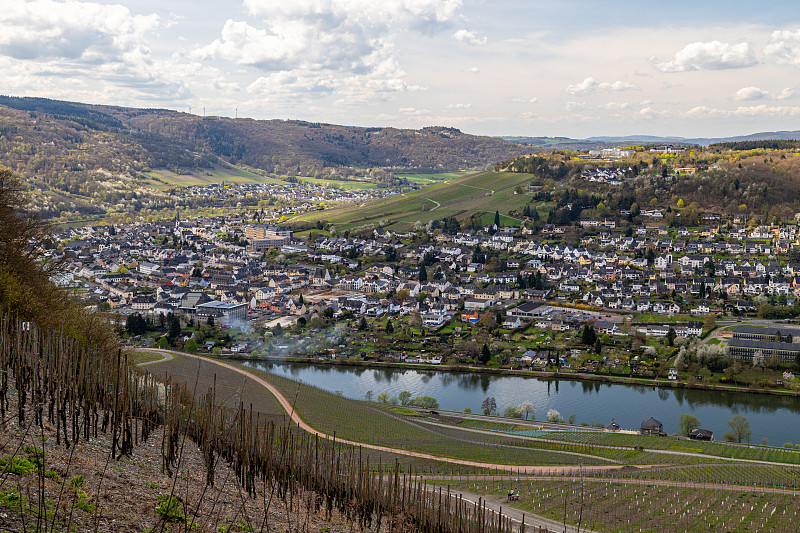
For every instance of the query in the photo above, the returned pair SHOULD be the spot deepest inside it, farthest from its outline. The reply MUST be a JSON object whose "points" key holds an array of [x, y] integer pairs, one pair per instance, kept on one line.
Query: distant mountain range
{"points": [[48, 137], [609, 141]]}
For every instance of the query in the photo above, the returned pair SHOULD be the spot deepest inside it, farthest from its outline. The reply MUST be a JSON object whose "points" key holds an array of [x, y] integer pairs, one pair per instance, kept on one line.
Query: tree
{"points": [[135, 324], [389, 327], [497, 218], [527, 409], [190, 346], [383, 397], [404, 397], [513, 412], [485, 355], [687, 423], [740, 429], [758, 359], [588, 335], [425, 402], [671, 336], [368, 395], [554, 417], [174, 330], [362, 324], [423, 274], [210, 321], [598, 347], [489, 405]]}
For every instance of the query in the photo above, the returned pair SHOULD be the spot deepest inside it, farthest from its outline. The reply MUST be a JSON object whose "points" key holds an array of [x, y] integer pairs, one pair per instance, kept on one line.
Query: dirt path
{"points": [[165, 356], [500, 505], [438, 205], [297, 419], [629, 481]]}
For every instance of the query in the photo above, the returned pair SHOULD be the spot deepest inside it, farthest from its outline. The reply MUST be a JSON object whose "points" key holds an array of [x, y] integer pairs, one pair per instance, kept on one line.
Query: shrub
{"points": [[426, 402], [169, 509]]}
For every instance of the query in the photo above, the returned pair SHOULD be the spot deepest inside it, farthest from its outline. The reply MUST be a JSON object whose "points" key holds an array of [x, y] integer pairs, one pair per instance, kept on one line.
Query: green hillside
{"points": [[485, 192]]}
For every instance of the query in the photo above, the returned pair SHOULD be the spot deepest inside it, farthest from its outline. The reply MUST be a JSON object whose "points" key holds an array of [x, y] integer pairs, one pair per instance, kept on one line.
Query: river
{"points": [[770, 416]]}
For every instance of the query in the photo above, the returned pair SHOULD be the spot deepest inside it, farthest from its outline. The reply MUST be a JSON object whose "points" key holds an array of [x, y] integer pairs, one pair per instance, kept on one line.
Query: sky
{"points": [[574, 68]]}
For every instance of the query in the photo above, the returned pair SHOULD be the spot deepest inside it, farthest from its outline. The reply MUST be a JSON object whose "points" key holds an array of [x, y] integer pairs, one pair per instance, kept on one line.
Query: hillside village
{"points": [[637, 288]]}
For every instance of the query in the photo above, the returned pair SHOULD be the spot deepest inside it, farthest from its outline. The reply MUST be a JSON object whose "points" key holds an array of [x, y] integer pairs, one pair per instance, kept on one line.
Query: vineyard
{"points": [[55, 389], [608, 505], [205, 424]]}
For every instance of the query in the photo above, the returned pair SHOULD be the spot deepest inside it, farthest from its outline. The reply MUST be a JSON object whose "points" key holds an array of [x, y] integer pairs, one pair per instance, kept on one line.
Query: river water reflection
{"points": [[774, 417]]}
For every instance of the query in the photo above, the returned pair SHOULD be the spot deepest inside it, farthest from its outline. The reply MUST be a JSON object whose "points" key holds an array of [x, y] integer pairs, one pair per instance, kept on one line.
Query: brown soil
{"points": [[124, 494]]}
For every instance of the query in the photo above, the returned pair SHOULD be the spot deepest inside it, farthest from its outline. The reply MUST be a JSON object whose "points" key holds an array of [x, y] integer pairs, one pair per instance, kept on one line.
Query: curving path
{"points": [[496, 504], [631, 481], [165, 356], [289, 408], [438, 205]]}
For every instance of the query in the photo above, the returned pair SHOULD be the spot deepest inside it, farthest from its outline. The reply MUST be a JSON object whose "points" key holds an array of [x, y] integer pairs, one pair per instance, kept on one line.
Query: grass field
{"points": [[358, 421], [166, 179], [346, 185], [429, 179], [460, 197], [137, 358]]}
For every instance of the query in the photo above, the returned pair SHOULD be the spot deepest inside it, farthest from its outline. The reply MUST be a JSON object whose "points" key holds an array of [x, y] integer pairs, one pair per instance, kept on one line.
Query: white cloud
{"points": [[591, 86], [614, 106], [704, 112], [420, 15], [472, 70], [88, 51], [755, 93], [459, 106], [573, 106], [75, 31], [751, 93], [469, 37], [784, 47], [413, 111], [525, 100], [319, 46], [650, 113], [708, 56]]}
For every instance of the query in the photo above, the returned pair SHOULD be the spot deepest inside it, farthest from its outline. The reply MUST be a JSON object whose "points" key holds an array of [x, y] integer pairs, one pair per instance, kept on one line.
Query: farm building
{"points": [[701, 434], [651, 426]]}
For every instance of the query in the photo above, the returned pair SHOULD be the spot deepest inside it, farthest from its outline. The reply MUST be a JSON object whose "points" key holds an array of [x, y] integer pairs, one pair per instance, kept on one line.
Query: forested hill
{"points": [[49, 137]]}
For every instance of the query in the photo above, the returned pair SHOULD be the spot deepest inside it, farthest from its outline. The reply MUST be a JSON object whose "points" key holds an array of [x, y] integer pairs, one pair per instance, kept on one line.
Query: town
{"points": [[660, 301]]}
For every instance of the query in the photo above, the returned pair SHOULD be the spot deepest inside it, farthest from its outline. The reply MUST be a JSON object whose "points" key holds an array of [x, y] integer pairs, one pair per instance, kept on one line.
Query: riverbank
{"points": [[571, 376]]}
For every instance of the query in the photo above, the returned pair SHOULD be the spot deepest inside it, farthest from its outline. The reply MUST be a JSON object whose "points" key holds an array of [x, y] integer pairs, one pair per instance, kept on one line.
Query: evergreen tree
{"points": [[485, 355], [174, 329], [423, 274], [598, 347], [497, 218], [588, 335], [389, 327]]}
